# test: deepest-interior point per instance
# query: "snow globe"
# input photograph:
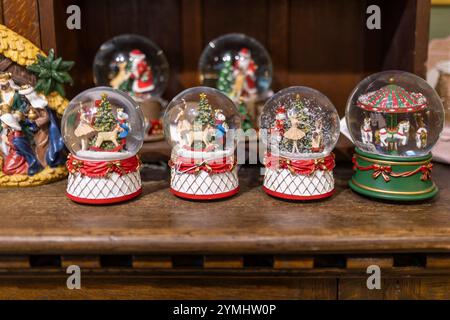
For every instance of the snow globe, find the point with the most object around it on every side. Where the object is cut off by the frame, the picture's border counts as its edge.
(201, 124)
(137, 66)
(394, 119)
(299, 127)
(103, 129)
(241, 67)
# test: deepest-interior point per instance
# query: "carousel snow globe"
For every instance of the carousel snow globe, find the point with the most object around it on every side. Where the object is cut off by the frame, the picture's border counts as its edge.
(299, 127)
(103, 129)
(394, 119)
(201, 123)
(137, 66)
(240, 67)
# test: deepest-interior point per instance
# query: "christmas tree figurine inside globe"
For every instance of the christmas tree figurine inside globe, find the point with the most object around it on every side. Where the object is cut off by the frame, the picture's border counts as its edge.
(201, 124)
(103, 129)
(237, 65)
(299, 127)
(394, 119)
(137, 66)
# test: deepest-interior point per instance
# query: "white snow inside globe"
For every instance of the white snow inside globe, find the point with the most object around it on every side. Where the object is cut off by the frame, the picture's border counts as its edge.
(237, 65)
(103, 124)
(201, 122)
(395, 113)
(299, 123)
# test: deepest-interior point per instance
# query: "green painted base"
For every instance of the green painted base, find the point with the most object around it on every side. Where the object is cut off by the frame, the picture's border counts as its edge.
(392, 178)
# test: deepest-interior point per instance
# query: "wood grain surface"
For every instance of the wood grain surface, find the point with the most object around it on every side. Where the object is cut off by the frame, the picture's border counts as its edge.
(43, 221)
(150, 287)
(22, 16)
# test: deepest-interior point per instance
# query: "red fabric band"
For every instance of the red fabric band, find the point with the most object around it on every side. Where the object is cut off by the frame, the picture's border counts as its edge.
(100, 169)
(187, 165)
(304, 167)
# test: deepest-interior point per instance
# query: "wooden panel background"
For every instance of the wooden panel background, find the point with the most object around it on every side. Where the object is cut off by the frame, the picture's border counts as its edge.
(323, 43)
(23, 17)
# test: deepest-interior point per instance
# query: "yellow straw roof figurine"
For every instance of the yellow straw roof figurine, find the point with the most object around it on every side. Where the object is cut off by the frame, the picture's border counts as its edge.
(31, 100)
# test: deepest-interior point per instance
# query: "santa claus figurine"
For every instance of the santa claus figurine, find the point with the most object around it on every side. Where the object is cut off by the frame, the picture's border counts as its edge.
(244, 74)
(141, 73)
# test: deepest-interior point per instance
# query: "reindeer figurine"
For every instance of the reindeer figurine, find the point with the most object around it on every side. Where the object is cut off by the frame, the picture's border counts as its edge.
(122, 75)
(421, 134)
(183, 128)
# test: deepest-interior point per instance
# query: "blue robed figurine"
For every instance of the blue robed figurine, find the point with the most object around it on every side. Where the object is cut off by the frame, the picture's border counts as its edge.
(42, 122)
(18, 155)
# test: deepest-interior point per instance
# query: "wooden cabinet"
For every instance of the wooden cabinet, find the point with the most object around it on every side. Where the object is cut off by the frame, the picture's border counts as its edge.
(251, 246)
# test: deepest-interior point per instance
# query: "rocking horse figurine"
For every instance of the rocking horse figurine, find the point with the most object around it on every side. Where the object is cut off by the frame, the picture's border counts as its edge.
(108, 136)
(198, 138)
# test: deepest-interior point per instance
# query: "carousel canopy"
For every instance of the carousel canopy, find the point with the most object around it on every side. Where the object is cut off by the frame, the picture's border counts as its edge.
(392, 99)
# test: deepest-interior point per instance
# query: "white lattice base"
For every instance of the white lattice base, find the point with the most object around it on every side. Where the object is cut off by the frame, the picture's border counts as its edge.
(283, 184)
(204, 186)
(111, 189)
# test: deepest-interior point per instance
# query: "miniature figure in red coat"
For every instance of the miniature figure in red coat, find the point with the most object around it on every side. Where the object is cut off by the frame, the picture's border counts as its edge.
(280, 122)
(141, 73)
(244, 71)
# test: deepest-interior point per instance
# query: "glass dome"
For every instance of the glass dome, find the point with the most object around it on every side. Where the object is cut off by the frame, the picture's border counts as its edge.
(394, 113)
(133, 64)
(103, 124)
(202, 121)
(299, 123)
(238, 65)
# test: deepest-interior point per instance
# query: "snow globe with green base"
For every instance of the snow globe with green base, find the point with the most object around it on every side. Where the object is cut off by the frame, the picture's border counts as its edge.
(202, 126)
(394, 119)
(103, 129)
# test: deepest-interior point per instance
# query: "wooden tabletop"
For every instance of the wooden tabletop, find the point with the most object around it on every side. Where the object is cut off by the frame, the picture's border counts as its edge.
(42, 220)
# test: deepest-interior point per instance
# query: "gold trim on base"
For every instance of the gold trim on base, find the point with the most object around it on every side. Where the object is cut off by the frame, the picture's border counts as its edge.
(393, 163)
(411, 193)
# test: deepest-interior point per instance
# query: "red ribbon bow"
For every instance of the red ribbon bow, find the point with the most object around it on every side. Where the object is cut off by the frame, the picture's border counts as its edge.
(304, 167)
(384, 171)
(426, 172)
